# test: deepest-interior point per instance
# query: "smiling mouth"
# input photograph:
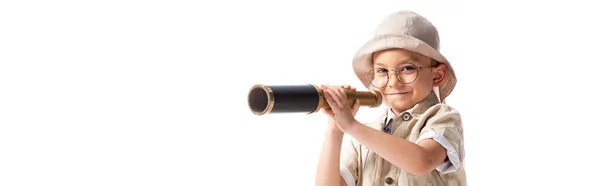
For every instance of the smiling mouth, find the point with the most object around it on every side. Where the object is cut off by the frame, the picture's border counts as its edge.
(397, 93)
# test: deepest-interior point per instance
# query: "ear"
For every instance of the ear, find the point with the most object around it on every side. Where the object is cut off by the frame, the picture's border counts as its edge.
(439, 74)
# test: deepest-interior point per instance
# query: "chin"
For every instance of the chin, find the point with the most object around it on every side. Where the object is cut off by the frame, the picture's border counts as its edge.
(402, 106)
(399, 104)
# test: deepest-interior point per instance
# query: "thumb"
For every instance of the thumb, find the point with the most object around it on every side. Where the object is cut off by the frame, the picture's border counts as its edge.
(356, 106)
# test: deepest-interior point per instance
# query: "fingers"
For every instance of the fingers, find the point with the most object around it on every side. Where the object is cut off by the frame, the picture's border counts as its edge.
(333, 98)
(340, 98)
(329, 98)
(336, 97)
(348, 87)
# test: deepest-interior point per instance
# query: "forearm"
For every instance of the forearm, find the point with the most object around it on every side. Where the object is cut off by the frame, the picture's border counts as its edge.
(328, 169)
(400, 152)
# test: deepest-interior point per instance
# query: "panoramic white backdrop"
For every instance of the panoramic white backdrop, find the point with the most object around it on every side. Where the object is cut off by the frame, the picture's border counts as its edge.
(154, 92)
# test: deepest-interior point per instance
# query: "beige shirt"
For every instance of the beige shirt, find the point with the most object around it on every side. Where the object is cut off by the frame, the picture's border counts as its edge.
(429, 119)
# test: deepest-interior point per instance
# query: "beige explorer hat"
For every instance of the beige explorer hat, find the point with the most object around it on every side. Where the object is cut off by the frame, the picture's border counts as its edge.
(410, 31)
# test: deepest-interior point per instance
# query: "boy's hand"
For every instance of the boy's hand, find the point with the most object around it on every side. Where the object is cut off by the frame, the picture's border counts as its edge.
(340, 113)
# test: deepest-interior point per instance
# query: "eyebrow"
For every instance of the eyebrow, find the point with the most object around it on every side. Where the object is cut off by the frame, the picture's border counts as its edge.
(411, 58)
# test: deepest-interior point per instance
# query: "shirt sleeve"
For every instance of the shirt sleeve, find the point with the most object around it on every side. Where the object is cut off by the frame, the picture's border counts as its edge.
(446, 128)
(349, 163)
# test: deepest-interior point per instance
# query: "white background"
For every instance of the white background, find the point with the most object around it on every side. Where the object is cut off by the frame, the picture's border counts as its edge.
(154, 92)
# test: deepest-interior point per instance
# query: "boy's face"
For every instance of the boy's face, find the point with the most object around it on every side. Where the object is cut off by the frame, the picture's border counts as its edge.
(410, 77)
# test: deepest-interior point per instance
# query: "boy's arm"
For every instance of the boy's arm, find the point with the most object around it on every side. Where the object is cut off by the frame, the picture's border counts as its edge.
(328, 169)
(420, 158)
(349, 167)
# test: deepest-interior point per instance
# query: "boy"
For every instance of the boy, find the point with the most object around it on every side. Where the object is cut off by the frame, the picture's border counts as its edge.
(418, 141)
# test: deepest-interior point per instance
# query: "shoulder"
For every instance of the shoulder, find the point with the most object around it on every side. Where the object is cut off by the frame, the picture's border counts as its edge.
(442, 116)
(442, 111)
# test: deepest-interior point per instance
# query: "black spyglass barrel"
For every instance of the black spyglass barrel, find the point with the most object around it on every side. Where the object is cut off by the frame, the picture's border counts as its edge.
(299, 98)
(284, 99)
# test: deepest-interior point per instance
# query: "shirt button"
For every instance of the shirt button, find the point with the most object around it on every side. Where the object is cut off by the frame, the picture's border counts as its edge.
(389, 180)
(406, 116)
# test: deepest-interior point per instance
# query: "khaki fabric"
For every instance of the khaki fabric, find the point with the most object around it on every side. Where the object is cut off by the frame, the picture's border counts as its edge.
(369, 169)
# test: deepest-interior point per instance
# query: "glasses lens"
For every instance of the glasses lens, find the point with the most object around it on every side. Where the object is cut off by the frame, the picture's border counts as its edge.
(407, 73)
(378, 77)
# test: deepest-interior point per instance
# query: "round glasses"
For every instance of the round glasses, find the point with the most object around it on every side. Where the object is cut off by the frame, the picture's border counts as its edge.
(405, 73)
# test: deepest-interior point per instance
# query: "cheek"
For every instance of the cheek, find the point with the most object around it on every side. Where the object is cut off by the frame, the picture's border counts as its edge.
(423, 85)
(382, 90)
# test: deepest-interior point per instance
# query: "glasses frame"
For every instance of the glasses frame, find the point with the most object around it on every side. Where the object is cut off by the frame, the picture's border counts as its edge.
(397, 74)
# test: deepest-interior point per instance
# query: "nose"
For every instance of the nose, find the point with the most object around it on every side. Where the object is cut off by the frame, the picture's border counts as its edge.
(392, 79)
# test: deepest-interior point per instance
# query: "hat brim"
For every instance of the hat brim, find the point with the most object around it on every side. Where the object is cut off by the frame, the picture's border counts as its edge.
(363, 63)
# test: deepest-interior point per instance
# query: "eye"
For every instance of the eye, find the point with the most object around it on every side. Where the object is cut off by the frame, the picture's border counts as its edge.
(408, 68)
(381, 71)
